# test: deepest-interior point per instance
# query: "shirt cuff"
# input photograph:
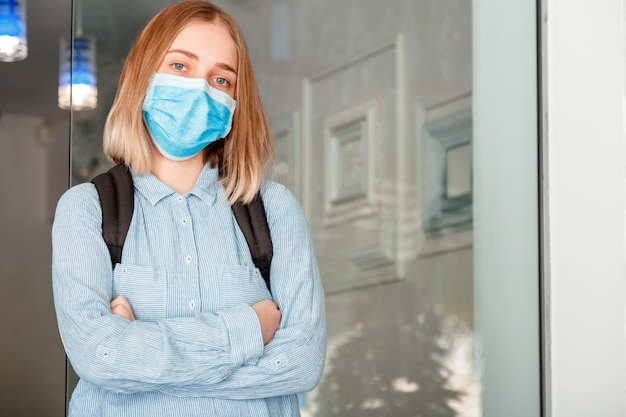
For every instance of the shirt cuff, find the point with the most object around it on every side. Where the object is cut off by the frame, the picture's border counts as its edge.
(244, 333)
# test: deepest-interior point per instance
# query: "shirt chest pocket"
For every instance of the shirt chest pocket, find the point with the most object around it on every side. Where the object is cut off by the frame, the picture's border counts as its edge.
(240, 284)
(144, 287)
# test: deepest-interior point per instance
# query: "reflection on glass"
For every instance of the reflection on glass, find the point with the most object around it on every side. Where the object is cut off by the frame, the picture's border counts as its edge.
(388, 199)
(77, 74)
(459, 170)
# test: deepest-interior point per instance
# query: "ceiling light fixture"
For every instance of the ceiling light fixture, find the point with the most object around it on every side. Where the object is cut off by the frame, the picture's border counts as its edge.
(78, 88)
(13, 44)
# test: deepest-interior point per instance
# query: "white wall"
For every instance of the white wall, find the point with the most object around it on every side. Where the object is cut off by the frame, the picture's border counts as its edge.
(584, 174)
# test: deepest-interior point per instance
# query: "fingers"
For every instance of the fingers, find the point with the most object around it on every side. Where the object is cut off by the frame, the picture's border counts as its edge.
(268, 304)
(269, 317)
(121, 307)
(122, 311)
(120, 300)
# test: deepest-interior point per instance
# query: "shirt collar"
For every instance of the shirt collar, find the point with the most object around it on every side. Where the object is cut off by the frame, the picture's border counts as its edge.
(154, 190)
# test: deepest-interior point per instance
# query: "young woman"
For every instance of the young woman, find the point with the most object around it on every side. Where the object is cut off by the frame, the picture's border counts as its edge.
(185, 325)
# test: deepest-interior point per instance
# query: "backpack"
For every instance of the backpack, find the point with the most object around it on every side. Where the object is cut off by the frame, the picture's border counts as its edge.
(116, 193)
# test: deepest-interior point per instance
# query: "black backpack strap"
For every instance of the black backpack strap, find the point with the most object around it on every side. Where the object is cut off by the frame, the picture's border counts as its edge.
(253, 223)
(117, 198)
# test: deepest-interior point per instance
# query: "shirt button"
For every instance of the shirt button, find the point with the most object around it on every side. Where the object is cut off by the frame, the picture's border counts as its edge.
(192, 304)
(184, 222)
(188, 259)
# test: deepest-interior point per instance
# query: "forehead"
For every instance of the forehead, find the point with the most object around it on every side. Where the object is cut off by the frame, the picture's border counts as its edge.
(207, 40)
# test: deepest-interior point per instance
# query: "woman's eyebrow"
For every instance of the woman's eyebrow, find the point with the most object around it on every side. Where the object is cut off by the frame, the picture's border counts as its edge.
(191, 55)
(225, 67)
(184, 52)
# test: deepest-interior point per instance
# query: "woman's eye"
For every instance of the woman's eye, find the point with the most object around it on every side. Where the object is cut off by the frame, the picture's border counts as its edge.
(179, 67)
(222, 82)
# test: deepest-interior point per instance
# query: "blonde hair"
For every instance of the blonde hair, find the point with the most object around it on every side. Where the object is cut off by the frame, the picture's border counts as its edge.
(241, 156)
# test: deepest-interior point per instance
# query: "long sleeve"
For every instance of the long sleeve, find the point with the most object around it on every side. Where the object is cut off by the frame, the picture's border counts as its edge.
(189, 277)
(293, 361)
(124, 356)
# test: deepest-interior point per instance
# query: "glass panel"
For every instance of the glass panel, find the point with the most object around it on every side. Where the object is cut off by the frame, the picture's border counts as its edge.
(34, 159)
(372, 106)
(506, 282)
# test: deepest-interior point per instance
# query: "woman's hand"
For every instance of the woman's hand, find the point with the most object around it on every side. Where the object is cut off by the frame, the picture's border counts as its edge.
(121, 307)
(269, 317)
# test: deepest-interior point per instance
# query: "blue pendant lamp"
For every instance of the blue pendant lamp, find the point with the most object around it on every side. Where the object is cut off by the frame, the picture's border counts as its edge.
(13, 45)
(78, 87)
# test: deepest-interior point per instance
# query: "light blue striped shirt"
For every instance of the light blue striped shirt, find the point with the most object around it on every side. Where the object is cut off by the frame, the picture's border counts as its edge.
(196, 347)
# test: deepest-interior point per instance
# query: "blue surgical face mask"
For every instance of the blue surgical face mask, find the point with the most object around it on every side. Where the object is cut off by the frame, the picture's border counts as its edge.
(185, 115)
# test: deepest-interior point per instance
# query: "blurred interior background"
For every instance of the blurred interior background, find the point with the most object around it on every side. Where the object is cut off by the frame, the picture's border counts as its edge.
(371, 104)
